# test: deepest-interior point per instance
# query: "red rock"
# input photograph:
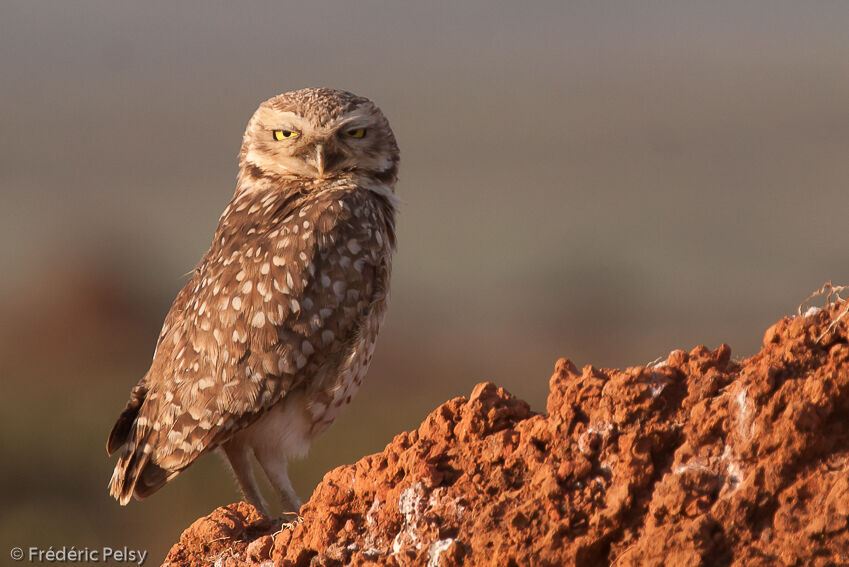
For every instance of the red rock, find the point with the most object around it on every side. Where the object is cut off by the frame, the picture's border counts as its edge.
(696, 460)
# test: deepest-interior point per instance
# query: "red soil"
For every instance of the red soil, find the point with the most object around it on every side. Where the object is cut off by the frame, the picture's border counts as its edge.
(695, 460)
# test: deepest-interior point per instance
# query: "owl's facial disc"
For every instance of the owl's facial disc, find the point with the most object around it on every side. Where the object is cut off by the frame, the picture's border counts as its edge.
(285, 143)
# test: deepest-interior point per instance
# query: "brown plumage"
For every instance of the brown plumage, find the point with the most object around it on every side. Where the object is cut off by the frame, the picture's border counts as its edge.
(275, 330)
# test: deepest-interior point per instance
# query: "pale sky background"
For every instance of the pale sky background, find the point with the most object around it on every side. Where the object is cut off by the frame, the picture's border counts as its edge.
(605, 181)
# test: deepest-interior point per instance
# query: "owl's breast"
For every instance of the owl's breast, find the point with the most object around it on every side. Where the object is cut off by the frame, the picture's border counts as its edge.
(337, 382)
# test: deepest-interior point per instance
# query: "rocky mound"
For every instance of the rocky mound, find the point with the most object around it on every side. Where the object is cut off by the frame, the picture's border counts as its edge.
(694, 460)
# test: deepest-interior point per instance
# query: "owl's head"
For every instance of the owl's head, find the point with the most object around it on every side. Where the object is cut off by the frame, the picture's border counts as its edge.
(319, 134)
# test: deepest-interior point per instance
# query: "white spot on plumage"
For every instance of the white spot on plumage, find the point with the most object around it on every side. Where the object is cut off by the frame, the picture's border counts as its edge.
(280, 287)
(258, 319)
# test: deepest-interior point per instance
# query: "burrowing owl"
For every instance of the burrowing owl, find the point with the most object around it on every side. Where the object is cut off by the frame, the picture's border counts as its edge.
(275, 329)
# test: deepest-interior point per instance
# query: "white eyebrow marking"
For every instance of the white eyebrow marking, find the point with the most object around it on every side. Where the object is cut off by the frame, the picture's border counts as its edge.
(271, 119)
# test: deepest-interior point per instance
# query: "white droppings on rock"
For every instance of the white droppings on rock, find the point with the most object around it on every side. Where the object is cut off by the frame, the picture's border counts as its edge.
(411, 505)
(436, 549)
(692, 465)
(744, 419)
(733, 470)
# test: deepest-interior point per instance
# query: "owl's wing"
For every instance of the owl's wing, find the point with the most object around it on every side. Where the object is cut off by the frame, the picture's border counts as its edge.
(259, 317)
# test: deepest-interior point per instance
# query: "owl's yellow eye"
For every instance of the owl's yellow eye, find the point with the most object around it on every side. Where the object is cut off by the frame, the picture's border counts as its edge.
(284, 134)
(356, 133)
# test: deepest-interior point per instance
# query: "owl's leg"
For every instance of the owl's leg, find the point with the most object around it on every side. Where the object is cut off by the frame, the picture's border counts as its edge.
(276, 468)
(238, 456)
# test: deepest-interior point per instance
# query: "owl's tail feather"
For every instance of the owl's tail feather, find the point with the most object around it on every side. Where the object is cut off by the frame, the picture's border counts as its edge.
(126, 473)
(151, 479)
(134, 474)
(123, 427)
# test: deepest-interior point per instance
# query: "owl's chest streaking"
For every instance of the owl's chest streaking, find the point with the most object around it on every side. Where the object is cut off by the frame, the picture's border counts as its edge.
(288, 299)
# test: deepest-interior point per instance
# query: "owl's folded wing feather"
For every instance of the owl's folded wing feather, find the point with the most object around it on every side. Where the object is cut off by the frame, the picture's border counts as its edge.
(276, 299)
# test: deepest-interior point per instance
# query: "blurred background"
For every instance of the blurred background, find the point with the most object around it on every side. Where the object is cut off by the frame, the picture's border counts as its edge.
(598, 181)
